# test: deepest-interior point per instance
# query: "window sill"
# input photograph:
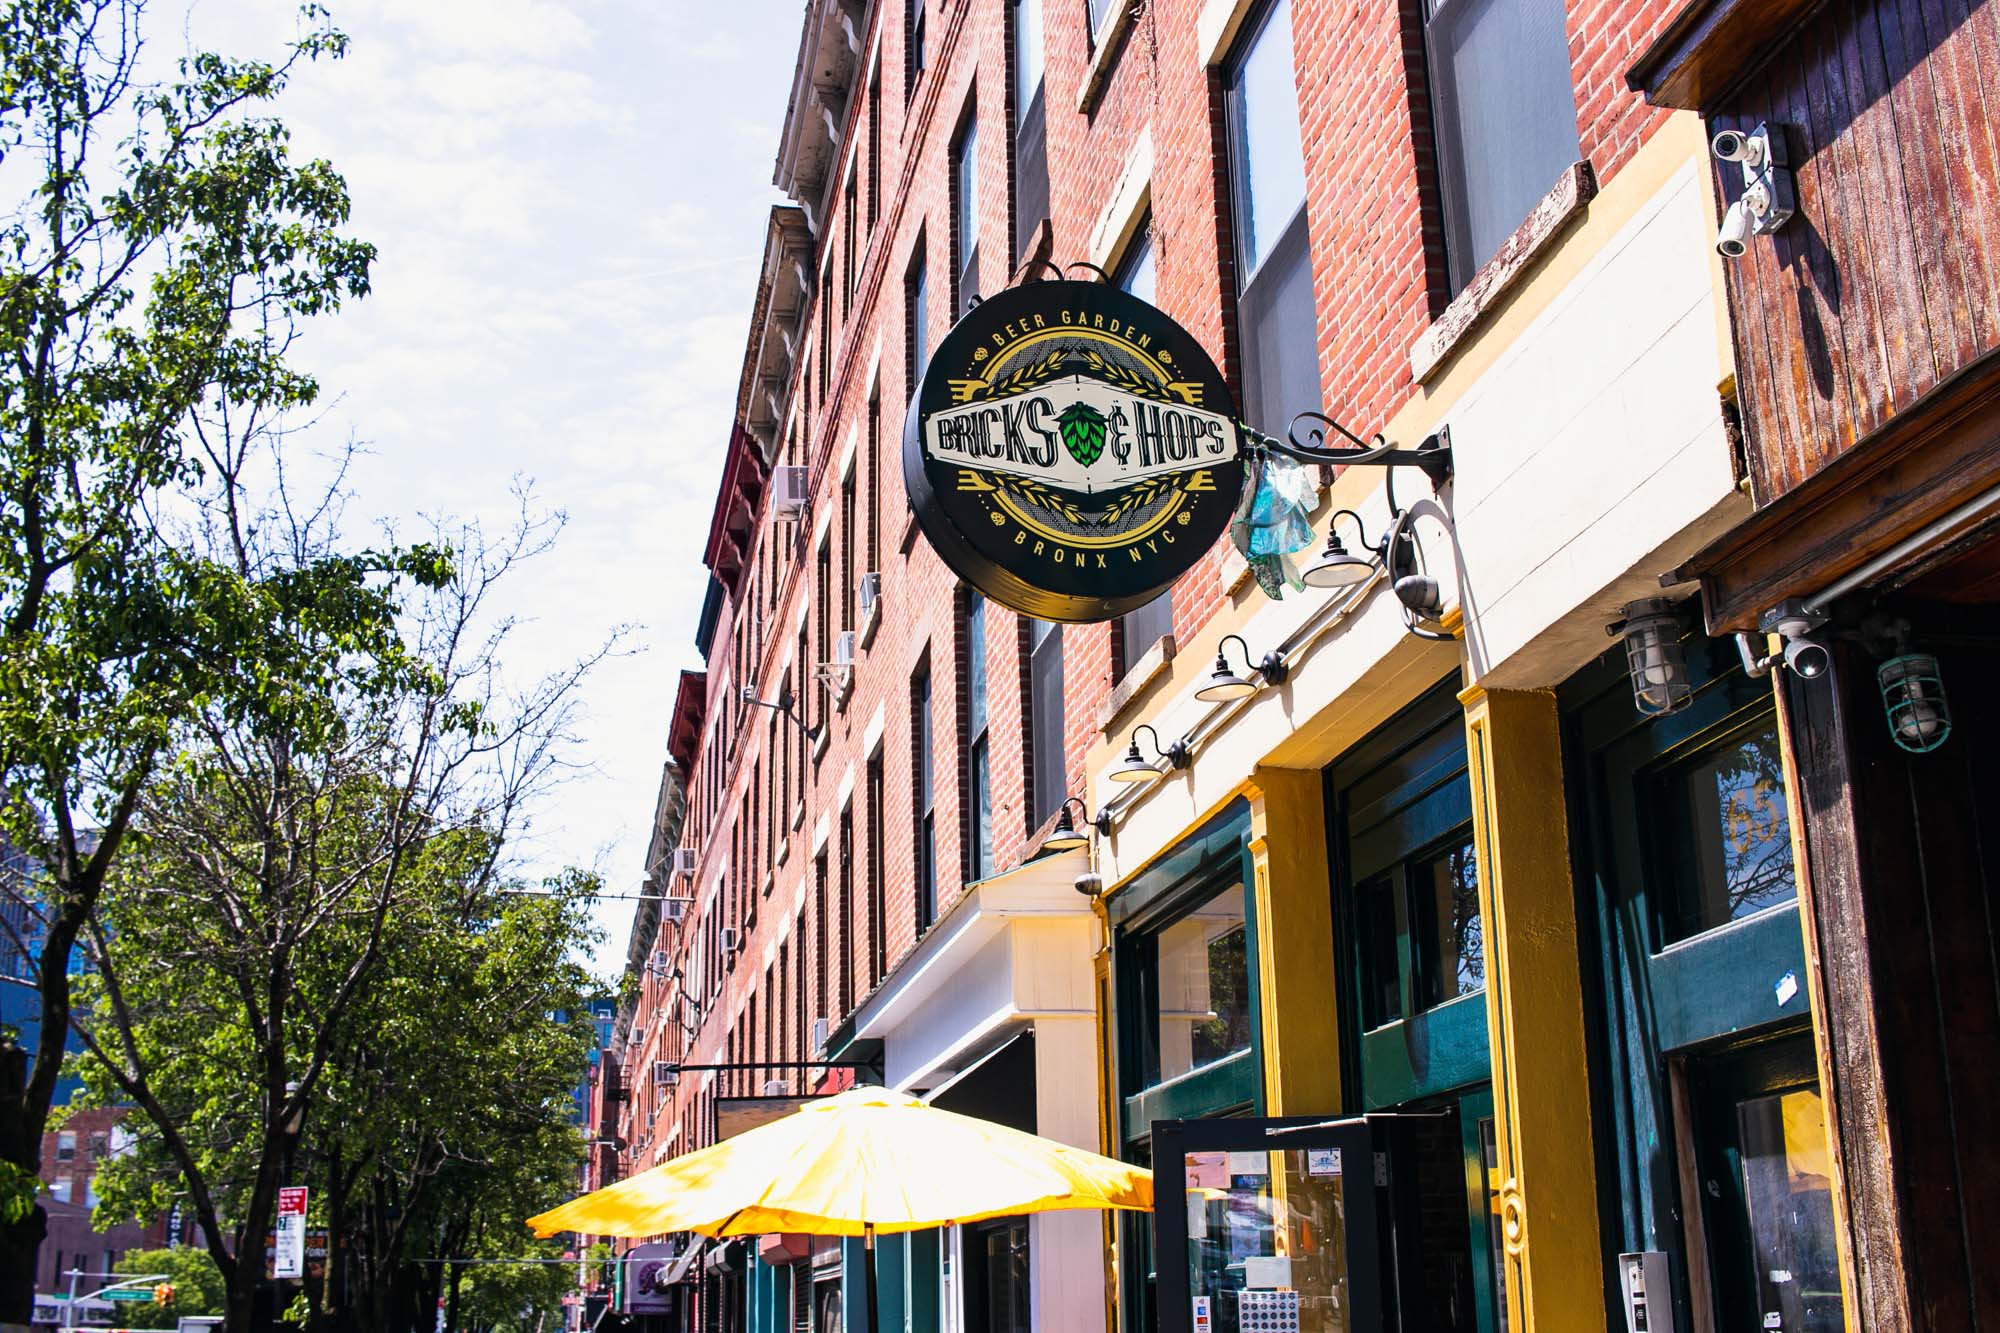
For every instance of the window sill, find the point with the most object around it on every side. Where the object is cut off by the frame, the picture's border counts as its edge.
(798, 816)
(1136, 681)
(819, 750)
(1106, 44)
(909, 537)
(784, 854)
(1489, 287)
(870, 622)
(771, 878)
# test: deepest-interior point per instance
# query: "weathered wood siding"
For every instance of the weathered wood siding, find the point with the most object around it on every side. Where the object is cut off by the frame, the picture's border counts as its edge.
(1888, 279)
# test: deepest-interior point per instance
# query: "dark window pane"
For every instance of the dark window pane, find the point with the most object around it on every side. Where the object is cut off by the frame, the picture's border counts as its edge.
(1135, 272)
(1027, 50)
(980, 783)
(975, 665)
(1269, 166)
(1204, 986)
(1280, 344)
(1378, 908)
(917, 320)
(1788, 1194)
(965, 203)
(1737, 837)
(1045, 703)
(1506, 117)
(1139, 630)
(1447, 889)
(1031, 171)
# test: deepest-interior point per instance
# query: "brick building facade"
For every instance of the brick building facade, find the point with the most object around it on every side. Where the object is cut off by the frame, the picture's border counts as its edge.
(1422, 217)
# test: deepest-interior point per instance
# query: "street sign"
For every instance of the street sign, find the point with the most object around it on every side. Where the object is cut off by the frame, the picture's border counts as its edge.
(290, 1260)
(124, 1294)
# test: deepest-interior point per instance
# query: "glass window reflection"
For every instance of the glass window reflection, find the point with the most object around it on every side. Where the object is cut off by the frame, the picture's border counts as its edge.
(1204, 985)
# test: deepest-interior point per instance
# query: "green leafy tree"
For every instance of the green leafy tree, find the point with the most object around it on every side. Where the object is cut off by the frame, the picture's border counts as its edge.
(156, 261)
(196, 1281)
(315, 884)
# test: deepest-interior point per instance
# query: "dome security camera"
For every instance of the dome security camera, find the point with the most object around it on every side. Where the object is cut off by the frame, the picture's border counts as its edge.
(1807, 659)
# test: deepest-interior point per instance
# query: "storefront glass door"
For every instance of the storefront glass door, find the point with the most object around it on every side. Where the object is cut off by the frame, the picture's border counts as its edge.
(1407, 910)
(1767, 1193)
(1273, 1227)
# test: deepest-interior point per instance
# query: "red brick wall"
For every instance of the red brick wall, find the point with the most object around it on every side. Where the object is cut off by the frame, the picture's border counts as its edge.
(1378, 281)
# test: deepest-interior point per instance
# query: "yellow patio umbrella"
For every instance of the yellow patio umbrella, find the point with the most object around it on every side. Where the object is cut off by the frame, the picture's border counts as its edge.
(865, 1161)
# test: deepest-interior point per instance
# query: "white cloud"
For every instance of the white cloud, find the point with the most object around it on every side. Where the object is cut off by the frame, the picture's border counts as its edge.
(569, 199)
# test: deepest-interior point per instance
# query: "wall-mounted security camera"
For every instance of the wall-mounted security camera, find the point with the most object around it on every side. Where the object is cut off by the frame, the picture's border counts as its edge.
(1090, 884)
(1734, 238)
(1803, 655)
(1768, 199)
(1737, 146)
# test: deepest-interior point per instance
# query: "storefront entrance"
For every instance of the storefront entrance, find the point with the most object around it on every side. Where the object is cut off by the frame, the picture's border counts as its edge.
(1718, 1140)
(1411, 980)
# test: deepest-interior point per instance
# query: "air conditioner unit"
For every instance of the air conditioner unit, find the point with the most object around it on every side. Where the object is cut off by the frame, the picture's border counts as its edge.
(674, 909)
(685, 860)
(666, 1074)
(843, 650)
(730, 936)
(821, 1027)
(775, 1087)
(658, 964)
(790, 493)
(867, 592)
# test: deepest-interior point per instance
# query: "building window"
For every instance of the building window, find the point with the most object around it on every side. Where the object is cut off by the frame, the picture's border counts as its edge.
(847, 536)
(846, 896)
(850, 224)
(922, 738)
(978, 755)
(1031, 149)
(66, 1146)
(878, 904)
(965, 216)
(1098, 11)
(1506, 118)
(822, 941)
(1135, 270)
(823, 613)
(874, 146)
(874, 479)
(1048, 762)
(916, 319)
(1276, 322)
(913, 45)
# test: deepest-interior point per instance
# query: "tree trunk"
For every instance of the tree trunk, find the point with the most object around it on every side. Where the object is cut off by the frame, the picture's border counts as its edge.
(20, 1148)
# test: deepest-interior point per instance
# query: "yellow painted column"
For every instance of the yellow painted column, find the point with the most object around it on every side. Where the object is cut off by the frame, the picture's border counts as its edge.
(1535, 1014)
(1294, 904)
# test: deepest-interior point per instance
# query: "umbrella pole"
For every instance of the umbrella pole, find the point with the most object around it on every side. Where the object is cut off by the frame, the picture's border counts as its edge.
(868, 1280)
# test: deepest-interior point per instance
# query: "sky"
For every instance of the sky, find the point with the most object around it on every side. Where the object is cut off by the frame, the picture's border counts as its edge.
(569, 200)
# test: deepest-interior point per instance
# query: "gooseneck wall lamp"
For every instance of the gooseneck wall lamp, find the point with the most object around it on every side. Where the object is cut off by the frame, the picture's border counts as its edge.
(1337, 567)
(1136, 767)
(1224, 684)
(1066, 836)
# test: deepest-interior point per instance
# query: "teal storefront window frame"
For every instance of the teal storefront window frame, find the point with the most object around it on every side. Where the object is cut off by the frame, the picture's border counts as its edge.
(1394, 801)
(1178, 881)
(1654, 999)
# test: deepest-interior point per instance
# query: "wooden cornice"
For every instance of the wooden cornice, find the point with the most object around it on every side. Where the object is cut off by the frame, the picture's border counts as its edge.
(1926, 461)
(1710, 47)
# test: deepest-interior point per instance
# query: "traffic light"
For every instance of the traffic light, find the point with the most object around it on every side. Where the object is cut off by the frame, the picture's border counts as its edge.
(163, 1294)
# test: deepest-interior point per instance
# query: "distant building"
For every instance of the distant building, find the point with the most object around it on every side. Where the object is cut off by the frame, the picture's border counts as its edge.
(71, 1156)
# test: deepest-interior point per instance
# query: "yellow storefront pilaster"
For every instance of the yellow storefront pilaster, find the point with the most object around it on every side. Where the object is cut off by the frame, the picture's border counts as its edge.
(1301, 1035)
(1534, 1014)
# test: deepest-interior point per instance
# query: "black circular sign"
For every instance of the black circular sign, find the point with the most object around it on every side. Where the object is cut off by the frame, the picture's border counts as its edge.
(1072, 451)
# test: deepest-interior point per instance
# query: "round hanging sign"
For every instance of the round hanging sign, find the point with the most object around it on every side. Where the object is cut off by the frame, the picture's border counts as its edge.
(1072, 451)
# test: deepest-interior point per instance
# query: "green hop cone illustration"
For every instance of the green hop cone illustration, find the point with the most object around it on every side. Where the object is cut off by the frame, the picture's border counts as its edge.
(1082, 432)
